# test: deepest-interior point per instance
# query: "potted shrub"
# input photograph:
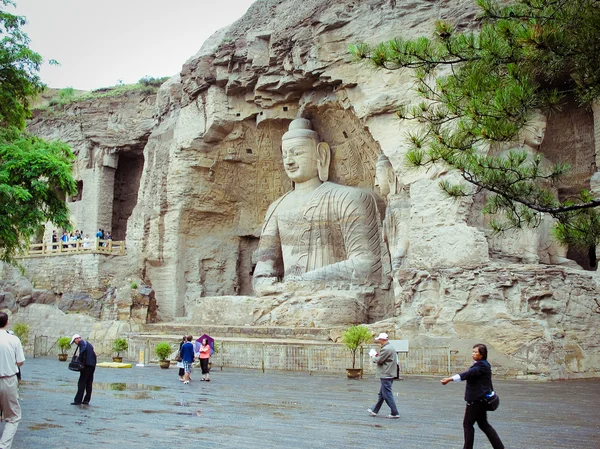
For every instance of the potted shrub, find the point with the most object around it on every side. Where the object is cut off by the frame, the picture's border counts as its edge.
(163, 351)
(63, 343)
(119, 345)
(354, 338)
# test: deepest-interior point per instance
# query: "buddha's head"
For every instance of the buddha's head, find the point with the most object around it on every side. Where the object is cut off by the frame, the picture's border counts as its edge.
(304, 156)
(532, 134)
(385, 177)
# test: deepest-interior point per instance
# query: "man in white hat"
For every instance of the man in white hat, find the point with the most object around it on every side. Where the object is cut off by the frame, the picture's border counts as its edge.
(86, 376)
(387, 361)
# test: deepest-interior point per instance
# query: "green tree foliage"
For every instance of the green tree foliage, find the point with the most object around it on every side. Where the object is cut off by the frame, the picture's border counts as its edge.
(19, 67)
(34, 174)
(354, 338)
(480, 87)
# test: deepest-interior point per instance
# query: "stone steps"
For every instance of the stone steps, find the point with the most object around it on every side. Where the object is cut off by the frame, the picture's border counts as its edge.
(232, 333)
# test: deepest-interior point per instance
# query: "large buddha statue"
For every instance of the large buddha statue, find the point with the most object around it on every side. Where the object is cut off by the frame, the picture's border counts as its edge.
(319, 231)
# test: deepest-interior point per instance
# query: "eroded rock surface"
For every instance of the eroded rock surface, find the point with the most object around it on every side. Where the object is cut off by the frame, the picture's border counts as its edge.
(210, 147)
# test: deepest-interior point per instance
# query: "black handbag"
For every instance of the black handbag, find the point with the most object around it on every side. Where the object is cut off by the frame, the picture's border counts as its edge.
(75, 364)
(492, 400)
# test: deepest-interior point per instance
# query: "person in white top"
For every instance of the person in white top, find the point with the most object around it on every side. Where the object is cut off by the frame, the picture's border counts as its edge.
(11, 358)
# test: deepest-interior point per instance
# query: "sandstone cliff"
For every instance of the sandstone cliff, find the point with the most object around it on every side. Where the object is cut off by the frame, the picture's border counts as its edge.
(210, 145)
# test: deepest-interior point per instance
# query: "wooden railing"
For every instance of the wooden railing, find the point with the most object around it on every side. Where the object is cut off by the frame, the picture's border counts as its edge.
(96, 246)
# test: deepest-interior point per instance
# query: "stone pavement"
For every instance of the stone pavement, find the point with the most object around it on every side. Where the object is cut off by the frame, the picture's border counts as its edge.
(149, 408)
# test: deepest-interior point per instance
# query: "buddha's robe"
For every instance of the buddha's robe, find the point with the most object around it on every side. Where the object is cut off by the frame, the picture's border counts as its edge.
(333, 236)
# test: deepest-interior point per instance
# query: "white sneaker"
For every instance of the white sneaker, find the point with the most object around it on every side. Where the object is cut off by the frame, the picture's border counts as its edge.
(393, 416)
(371, 412)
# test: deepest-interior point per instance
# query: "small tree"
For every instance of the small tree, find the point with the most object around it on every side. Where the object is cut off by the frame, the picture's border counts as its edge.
(21, 330)
(63, 343)
(120, 345)
(163, 350)
(354, 338)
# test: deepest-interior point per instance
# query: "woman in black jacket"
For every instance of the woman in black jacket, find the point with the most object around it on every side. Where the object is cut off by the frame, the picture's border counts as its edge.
(479, 383)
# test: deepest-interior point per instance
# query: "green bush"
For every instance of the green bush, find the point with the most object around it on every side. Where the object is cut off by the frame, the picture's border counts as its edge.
(163, 350)
(63, 343)
(134, 285)
(150, 81)
(21, 330)
(66, 94)
(120, 345)
(354, 338)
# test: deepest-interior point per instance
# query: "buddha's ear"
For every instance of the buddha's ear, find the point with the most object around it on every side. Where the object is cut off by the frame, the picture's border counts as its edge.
(324, 154)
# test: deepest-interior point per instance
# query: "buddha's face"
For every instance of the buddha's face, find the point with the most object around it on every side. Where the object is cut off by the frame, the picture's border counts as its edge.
(300, 159)
(533, 132)
(381, 179)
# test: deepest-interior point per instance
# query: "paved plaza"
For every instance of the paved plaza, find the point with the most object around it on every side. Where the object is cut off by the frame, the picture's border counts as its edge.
(149, 408)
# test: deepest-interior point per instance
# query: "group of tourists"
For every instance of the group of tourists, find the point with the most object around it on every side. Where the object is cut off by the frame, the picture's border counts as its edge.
(201, 349)
(478, 377)
(70, 239)
(479, 387)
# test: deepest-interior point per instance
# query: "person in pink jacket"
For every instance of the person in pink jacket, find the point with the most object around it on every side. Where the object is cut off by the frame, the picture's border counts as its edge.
(204, 355)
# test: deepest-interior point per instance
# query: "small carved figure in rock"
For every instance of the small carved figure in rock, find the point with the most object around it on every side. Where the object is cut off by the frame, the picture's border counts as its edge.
(396, 222)
(319, 230)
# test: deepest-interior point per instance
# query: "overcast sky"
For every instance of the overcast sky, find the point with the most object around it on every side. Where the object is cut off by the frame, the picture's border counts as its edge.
(99, 42)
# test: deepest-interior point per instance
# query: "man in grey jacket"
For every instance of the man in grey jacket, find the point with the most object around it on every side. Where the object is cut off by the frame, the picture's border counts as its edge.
(387, 361)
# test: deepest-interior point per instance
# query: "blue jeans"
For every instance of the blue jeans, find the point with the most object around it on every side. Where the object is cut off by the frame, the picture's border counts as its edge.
(385, 394)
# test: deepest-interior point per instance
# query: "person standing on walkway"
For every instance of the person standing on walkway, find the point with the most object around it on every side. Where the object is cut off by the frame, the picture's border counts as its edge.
(479, 383)
(187, 357)
(387, 361)
(179, 362)
(204, 355)
(87, 356)
(11, 358)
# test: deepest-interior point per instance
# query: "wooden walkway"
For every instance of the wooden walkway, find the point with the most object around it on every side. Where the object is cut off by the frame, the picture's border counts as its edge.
(96, 246)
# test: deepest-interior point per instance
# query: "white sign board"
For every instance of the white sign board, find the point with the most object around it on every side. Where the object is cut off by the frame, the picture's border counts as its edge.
(399, 345)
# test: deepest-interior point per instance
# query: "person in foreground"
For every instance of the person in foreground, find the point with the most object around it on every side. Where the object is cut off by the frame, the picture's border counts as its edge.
(387, 361)
(87, 356)
(11, 358)
(479, 383)
(187, 358)
(204, 355)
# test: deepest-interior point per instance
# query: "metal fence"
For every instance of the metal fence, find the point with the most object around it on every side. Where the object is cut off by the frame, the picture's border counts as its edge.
(325, 358)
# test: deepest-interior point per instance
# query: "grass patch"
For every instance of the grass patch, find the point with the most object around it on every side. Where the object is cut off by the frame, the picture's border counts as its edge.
(146, 86)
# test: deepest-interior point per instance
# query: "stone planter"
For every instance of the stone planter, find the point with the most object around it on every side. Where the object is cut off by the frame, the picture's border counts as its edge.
(164, 364)
(63, 357)
(118, 359)
(354, 373)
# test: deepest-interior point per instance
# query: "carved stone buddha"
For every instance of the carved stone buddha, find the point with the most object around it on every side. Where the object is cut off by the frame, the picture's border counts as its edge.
(319, 231)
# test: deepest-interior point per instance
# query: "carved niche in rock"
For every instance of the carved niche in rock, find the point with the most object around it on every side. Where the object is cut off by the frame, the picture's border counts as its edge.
(531, 245)
(319, 230)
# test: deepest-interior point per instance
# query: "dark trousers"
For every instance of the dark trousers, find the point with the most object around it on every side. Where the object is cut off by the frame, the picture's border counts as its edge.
(476, 413)
(204, 365)
(385, 394)
(86, 378)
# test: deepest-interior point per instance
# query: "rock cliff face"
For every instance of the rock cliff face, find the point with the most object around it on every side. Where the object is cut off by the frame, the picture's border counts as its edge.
(210, 147)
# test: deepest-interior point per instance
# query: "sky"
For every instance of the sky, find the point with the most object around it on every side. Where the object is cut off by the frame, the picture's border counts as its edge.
(100, 43)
